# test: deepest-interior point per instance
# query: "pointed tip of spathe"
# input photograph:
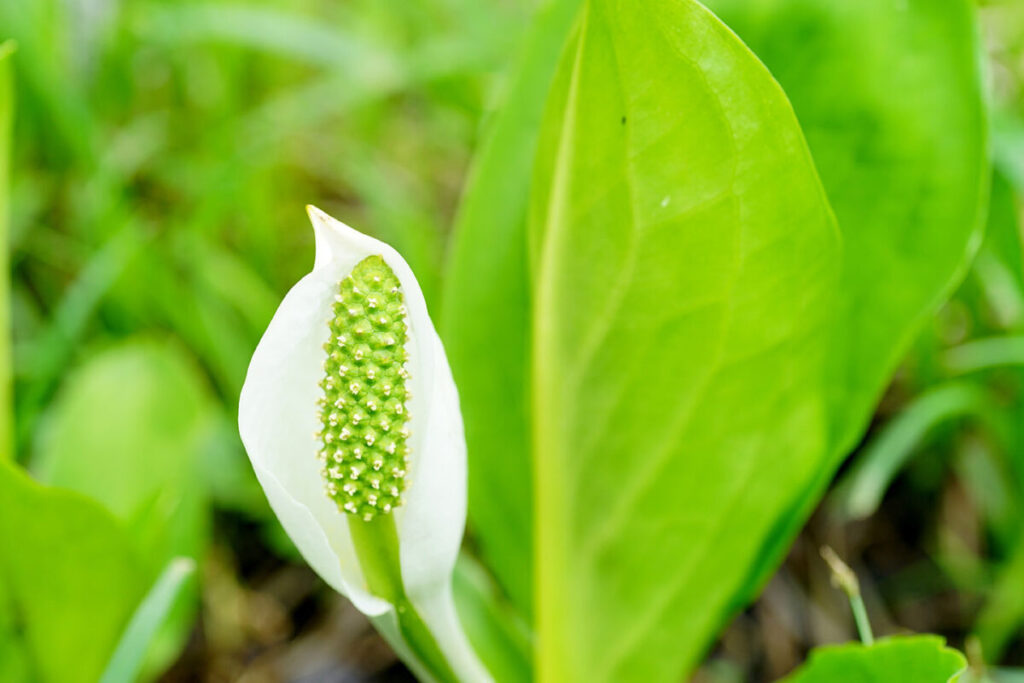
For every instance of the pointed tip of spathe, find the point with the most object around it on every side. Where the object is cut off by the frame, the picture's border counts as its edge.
(315, 214)
(335, 239)
(321, 219)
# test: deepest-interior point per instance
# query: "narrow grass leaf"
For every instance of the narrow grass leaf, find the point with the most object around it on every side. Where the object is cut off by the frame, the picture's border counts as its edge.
(126, 662)
(860, 491)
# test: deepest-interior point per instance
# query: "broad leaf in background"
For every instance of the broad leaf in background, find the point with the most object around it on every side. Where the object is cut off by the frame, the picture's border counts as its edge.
(71, 574)
(486, 314)
(917, 659)
(138, 455)
(889, 95)
(686, 259)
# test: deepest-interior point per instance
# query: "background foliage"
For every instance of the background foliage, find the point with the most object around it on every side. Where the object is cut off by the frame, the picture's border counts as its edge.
(161, 157)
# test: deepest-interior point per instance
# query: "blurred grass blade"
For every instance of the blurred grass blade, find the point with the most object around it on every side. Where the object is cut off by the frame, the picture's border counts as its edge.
(284, 33)
(155, 402)
(1000, 263)
(1008, 145)
(498, 635)
(861, 490)
(1003, 613)
(6, 374)
(47, 357)
(127, 659)
(984, 354)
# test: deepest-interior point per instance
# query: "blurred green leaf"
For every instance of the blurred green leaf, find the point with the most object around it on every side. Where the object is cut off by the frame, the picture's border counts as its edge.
(1008, 131)
(266, 28)
(72, 576)
(1003, 612)
(128, 431)
(984, 354)
(686, 261)
(6, 371)
(889, 95)
(988, 478)
(1000, 263)
(485, 322)
(859, 493)
(907, 176)
(50, 82)
(182, 292)
(48, 357)
(917, 659)
(500, 638)
(126, 662)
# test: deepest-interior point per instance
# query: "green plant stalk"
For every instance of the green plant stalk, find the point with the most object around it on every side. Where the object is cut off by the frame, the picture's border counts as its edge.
(6, 373)
(376, 546)
(860, 617)
(845, 580)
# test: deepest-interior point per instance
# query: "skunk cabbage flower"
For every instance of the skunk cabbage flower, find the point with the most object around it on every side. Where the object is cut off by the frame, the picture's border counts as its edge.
(351, 419)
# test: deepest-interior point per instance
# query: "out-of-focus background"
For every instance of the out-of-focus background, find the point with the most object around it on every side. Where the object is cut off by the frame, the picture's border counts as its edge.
(163, 153)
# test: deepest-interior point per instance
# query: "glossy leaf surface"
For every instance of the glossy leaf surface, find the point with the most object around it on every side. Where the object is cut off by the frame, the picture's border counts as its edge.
(685, 259)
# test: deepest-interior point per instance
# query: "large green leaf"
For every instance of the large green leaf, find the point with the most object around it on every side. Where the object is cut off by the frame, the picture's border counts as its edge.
(685, 259)
(889, 95)
(486, 315)
(917, 659)
(71, 575)
(128, 431)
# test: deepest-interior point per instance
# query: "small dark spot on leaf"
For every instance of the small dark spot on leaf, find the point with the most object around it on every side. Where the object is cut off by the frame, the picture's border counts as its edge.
(623, 120)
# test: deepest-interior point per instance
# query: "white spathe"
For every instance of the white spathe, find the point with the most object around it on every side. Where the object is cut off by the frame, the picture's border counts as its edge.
(278, 419)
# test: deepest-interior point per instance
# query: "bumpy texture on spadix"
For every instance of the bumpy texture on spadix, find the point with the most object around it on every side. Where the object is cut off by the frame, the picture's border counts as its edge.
(363, 411)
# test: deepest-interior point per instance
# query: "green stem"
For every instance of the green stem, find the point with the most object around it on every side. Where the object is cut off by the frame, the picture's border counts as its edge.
(844, 579)
(376, 545)
(860, 617)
